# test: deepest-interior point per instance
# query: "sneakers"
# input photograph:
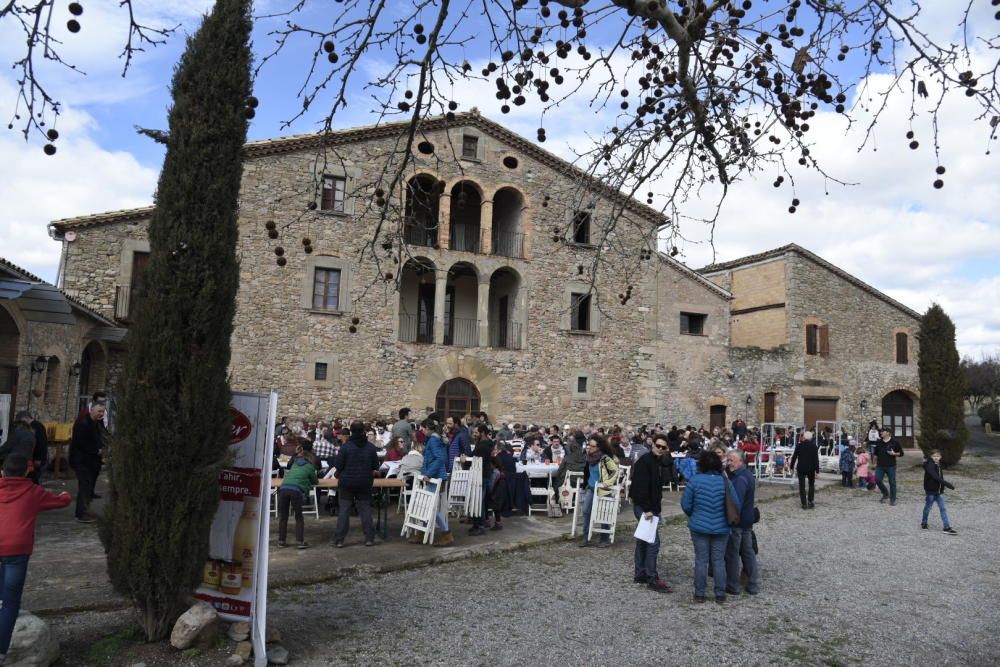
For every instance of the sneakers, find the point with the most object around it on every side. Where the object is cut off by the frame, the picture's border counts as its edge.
(338, 545)
(477, 531)
(892, 503)
(720, 599)
(86, 518)
(750, 592)
(659, 586)
(497, 526)
(603, 545)
(812, 505)
(640, 579)
(369, 543)
(303, 545)
(282, 543)
(699, 598)
(924, 526)
(950, 531)
(804, 506)
(883, 499)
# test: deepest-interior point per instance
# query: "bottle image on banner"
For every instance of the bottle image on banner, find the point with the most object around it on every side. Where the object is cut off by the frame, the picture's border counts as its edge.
(245, 538)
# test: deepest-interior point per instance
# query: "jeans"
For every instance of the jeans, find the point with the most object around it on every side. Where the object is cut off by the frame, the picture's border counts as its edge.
(441, 518)
(929, 502)
(361, 498)
(709, 546)
(739, 552)
(294, 499)
(880, 473)
(803, 476)
(646, 553)
(13, 571)
(86, 479)
(588, 506)
(847, 479)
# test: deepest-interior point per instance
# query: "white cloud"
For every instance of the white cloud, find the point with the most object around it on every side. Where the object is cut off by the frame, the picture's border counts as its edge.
(81, 178)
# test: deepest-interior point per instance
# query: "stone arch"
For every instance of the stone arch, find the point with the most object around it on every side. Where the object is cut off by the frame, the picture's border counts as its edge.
(93, 367)
(506, 308)
(914, 393)
(457, 364)
(465, 216)
(415, 300)
(422, 209)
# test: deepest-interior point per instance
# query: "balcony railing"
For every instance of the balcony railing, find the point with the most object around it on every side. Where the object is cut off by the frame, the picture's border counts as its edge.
(508, 244)
(412, 330)
(417, 234)
(465, 238)
(505, 335)
(462, 333)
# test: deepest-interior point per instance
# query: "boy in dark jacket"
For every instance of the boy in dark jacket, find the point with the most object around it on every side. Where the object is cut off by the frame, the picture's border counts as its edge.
(934, 486)
(649, 475)
(357, 466)
(21, 500)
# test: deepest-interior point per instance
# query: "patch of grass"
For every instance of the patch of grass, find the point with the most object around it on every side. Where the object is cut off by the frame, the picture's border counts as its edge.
(193, 652)
(104, 650)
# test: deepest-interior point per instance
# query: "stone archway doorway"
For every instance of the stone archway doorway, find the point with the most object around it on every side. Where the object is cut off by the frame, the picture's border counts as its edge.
(456, 398)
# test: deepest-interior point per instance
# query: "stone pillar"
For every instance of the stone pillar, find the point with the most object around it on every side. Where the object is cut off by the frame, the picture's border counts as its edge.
(440, 284)
(444, 221)
(486, 227)
(483, 311)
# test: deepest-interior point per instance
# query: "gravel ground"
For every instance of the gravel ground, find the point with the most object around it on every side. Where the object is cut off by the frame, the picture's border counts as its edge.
(851, 582)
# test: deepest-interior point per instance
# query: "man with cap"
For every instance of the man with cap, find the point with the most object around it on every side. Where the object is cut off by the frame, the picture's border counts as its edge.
(887, 449)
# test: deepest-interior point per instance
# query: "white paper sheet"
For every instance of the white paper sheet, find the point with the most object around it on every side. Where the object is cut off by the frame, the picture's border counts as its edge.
(646, 530)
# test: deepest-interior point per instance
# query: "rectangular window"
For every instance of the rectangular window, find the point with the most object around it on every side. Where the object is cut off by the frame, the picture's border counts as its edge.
(319, 372)
(902, 351)
(581, 384)
(693, 324)
(812, 339)
(580, 312)
(581, 227)
(326, 289)
(824, 340)
(470, 147)
(334, 188)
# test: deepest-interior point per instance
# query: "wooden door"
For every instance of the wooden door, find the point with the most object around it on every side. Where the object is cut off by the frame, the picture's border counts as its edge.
(717, 417)
(819, 409)
(770, 405)
(456, 398)
(897, 414)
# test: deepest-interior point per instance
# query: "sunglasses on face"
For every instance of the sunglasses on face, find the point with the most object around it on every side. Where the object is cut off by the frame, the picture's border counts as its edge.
(660, 447)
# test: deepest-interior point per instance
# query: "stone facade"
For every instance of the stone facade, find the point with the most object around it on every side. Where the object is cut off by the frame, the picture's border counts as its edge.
(516, 343)
(73, 340)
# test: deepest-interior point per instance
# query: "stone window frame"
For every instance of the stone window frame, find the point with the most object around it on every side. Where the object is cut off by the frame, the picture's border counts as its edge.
(457, 138)
(332, 362)
(314, 262)
(595, 312)
(337, 169)
(895, 345)
(689, 312)
(570, 236)
(129, 248)
(575, 375)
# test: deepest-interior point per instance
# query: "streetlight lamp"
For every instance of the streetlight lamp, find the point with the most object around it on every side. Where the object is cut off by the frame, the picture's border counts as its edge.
(74, 373)
(38, 366)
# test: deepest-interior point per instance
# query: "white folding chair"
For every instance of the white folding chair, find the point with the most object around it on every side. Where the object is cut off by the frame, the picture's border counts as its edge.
(543, 492)
(312, 506)
(569, 501)
(422, 509)
(577, 490)
(604, 514)
(405, 491)
(625, 481)
(458, 490)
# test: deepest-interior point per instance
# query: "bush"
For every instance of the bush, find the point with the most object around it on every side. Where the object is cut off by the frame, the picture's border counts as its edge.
(990, 414)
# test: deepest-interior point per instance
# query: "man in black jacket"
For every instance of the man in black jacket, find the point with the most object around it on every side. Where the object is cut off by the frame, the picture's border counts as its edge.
(357, 466)
(85, 458)
(41, 455)
(807, 456)
(934, 486)
(649, 474)
(887, 450)
(21, 439)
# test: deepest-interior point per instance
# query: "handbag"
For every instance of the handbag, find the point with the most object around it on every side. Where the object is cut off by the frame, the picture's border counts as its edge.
(756, 515)
(732, 512)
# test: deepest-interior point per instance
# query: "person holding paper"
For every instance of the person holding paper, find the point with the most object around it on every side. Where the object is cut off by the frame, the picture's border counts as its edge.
(649, 474)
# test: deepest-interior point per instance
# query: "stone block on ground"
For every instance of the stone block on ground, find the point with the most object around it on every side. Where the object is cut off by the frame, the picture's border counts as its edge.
(239, 631)
(33, 644)
(198, 625)
(277, 654)
(244, 649)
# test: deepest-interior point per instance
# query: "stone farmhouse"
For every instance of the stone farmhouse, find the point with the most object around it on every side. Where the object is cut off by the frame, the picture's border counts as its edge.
(493, 310)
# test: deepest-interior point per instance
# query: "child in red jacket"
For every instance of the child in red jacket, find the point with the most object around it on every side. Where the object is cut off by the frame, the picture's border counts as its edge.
(20, 502)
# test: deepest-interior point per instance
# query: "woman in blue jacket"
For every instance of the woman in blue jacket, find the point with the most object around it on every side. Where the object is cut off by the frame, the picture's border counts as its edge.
(704, 501)
(435, 467)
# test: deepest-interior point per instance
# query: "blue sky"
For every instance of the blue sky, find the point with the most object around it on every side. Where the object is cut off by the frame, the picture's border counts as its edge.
(892, 229)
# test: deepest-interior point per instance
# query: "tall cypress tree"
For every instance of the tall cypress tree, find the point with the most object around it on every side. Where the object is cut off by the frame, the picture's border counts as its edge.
(172, 429)
(942, 388)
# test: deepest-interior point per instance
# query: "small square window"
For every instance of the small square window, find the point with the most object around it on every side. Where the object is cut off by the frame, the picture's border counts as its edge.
(333, 196)
(319, 372)
(581, 227)
(693, 324)
(579, 312)
(326, 289)
(581, 384)
(470, 147)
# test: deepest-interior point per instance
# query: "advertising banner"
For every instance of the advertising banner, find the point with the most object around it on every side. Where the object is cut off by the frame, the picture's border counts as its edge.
(235, 576)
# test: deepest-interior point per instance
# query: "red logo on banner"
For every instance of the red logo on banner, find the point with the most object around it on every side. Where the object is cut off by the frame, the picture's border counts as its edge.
(241, 427)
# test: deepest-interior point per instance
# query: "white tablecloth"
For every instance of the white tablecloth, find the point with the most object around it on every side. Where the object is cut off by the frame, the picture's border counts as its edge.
(537, 469)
